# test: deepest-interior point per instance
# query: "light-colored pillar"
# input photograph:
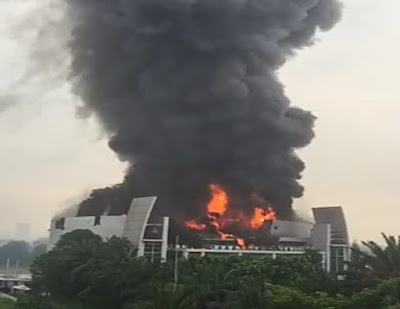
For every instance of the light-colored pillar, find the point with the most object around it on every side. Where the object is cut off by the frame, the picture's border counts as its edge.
(164, 244)
(141, 249)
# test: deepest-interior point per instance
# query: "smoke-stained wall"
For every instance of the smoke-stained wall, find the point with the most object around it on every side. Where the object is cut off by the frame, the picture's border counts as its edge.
(188, 92)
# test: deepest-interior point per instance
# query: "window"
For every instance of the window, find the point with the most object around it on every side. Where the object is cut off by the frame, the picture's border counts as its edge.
(338, 256)
(97, 220)
(152, 250)
(60, 224)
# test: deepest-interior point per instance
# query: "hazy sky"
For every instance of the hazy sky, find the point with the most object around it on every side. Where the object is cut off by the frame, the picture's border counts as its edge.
(349, 80)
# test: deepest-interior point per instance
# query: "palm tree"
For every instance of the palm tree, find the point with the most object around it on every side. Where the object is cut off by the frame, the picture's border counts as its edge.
(382, 262)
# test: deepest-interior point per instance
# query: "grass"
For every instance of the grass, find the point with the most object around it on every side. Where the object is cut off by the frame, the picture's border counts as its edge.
(6, 304)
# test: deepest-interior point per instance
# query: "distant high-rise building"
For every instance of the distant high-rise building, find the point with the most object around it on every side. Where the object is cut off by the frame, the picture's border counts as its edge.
(22, 231)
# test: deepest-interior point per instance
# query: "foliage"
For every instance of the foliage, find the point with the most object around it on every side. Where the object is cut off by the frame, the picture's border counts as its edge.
(285, 298)
(371, 264)
(58, 271)
(20, 252)
(15, 251)
(166, 296)
(85, 272)
(383, 262)
(38, 250)
(83, 267)
(385, 295)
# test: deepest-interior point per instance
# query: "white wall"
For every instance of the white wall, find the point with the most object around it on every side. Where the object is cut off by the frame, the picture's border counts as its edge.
(295, 229)
(109, 226)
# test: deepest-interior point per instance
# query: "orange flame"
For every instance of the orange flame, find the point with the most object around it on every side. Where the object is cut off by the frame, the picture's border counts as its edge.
(194, 225)
(224, 236)
(219, 200)
(261, 216)
(240, 242)
(215, 224)
(219, 219)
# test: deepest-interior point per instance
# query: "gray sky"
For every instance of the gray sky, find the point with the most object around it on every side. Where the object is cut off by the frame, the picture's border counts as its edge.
(48, 158)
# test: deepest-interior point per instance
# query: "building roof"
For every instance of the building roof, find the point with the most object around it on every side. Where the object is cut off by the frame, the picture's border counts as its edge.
(335, 217)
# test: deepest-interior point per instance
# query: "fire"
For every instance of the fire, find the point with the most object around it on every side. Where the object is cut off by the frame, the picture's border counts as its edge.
(261, 216)
(225, 236)
(215, 224)
(195, 226)
(219, 200)
(220, 217)
(240, 242)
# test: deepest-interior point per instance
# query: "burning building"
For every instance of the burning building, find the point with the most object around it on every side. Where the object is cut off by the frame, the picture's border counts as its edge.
(189, 95)
(261, 232)
(221, 232)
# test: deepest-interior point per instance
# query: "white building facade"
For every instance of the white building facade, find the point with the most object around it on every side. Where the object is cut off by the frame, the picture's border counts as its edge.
(146, 237)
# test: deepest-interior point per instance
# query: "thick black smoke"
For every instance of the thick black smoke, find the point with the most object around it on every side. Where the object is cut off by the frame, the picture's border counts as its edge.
(188, 91)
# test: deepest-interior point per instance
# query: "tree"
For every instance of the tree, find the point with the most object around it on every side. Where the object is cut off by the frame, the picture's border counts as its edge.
(250, 292)
(76, 239)
(379, 262)
(384, 295)
(288, 298)
(15, 252)
(166, 296)
(239, 282)
(59, 271)
(116, 276)
(83, 271)
(105, 274)
(38, 250)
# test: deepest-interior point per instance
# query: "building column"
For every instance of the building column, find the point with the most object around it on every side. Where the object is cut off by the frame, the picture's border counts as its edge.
(140, 249)
(164, 243)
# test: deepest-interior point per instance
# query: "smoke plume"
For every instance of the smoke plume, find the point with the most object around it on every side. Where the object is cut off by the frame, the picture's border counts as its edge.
(188, 92)
(35, 32)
